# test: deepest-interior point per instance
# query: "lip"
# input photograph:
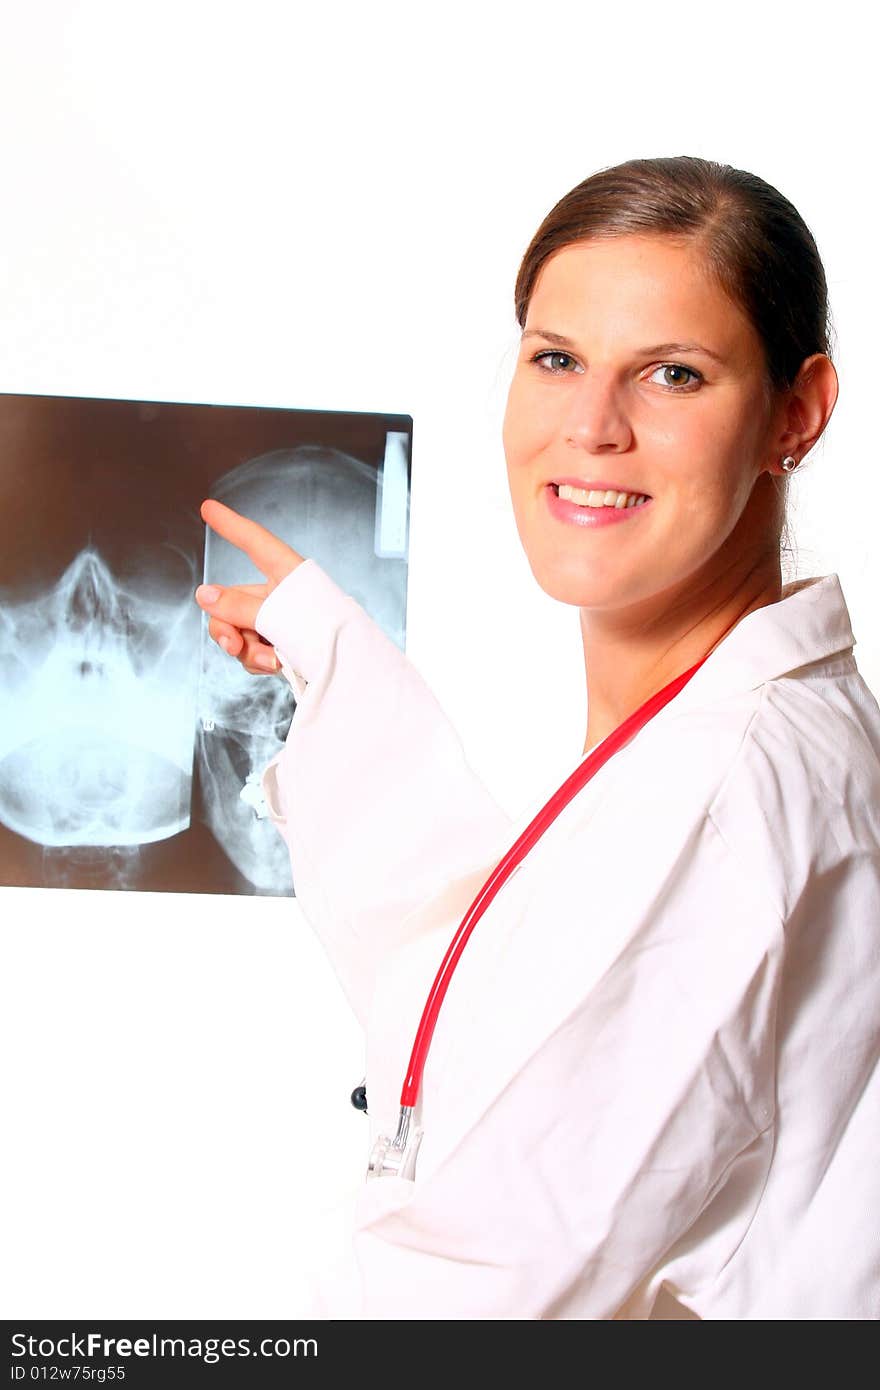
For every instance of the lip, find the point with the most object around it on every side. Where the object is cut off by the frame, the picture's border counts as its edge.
(576, 515)
(596, 486)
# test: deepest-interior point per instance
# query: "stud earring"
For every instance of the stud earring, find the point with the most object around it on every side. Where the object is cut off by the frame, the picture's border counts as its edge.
(789, 463)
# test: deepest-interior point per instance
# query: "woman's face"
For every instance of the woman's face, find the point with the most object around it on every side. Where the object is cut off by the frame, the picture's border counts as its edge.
(637, 374)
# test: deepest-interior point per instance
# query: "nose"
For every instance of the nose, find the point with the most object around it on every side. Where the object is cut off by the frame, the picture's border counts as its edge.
(595, 419)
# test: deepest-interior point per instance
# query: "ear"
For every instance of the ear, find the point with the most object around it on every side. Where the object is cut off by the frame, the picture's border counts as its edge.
(805, 410)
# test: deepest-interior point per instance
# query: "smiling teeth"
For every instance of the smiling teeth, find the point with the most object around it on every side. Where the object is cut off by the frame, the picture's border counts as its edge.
(590, 498)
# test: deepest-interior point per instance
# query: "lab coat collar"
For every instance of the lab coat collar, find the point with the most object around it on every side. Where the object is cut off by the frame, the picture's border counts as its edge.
(809, 624)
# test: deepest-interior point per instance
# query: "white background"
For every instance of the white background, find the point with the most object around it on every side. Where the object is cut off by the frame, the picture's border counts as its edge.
(324, 207)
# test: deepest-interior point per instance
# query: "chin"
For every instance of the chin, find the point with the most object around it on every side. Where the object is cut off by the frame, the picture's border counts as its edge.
(577, 585)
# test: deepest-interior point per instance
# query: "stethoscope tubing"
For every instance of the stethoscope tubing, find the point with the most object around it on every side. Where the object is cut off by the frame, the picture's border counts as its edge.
(505, 867)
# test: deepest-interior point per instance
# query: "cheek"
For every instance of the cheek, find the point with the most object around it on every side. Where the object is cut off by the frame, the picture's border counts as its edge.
(524, 430)
(700, 456)
(510, 428)
(713, 499)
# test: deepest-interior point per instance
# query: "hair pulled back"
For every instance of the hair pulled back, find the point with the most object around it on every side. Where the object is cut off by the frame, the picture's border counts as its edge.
(754, 243)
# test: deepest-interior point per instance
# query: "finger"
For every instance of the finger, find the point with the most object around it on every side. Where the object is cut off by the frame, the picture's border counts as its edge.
(207, 594)
(257, 656)
(271, 555)
(230, 605)
(226, 636)
(263, 589)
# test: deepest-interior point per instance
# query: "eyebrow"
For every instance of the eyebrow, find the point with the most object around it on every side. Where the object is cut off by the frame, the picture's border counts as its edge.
(646, 351)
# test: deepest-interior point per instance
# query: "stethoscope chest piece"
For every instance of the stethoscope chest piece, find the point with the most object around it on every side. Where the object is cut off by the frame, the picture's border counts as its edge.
(396, 1158)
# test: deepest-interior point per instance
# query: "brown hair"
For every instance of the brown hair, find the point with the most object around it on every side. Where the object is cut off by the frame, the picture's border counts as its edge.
(754, 241)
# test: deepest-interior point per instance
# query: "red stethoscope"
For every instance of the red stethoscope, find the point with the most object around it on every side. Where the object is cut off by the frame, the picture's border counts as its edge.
(397, 1157)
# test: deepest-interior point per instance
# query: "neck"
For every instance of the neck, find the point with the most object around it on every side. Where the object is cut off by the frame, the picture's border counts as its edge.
(630, 654)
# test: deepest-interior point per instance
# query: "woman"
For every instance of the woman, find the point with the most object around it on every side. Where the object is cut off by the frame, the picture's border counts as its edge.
(652, 1089)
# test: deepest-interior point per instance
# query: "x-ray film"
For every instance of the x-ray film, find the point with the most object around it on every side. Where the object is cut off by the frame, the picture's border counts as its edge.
(131, 746)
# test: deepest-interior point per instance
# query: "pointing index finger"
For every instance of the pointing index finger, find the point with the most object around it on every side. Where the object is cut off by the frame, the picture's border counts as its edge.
(272, 556)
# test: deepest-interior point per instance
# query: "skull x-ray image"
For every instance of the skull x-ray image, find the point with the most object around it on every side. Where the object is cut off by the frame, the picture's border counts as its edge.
(242, 722)
(131, 747)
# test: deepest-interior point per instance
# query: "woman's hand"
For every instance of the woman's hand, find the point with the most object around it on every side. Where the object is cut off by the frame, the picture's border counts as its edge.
(233, 609)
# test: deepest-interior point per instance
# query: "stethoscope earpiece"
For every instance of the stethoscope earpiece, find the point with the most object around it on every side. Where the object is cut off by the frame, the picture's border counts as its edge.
(359, 1097)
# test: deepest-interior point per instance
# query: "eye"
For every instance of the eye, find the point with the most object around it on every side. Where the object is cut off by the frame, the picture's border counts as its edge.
(676, 367)
(556, 371)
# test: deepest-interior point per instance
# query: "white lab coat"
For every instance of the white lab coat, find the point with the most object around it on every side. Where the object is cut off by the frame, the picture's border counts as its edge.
(655, 1074)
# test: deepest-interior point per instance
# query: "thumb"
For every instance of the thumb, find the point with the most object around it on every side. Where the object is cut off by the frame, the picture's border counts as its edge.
(235, 605)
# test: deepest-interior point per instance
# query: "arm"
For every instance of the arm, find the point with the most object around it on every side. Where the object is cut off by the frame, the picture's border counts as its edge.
(372, 791)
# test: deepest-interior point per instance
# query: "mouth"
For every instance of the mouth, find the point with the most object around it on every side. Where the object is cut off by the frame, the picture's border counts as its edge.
(598, 494)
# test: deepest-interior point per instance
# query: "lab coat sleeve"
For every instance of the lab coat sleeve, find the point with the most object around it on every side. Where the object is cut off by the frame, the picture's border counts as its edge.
(372, 791)
(652, 1099)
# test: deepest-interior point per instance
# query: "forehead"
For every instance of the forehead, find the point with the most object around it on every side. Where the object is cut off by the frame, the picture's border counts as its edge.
(645, 288)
